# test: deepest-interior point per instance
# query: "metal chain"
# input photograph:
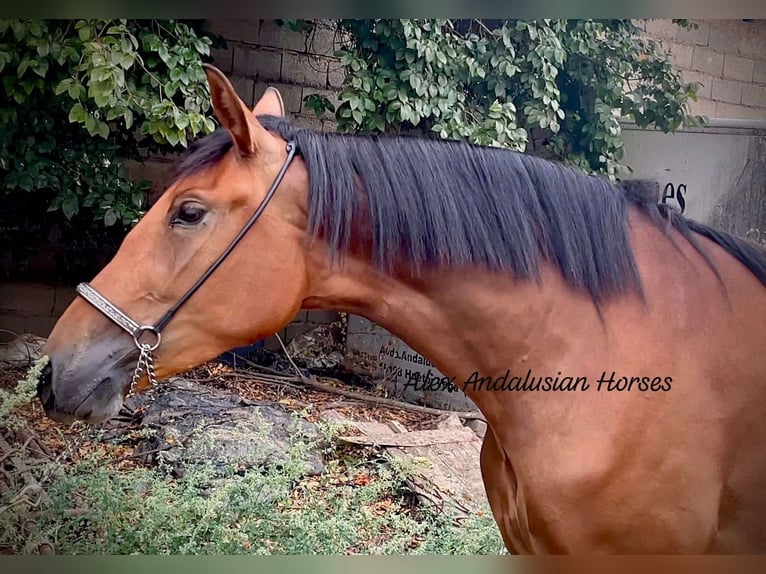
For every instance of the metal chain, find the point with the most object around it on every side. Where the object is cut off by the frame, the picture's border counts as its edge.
(145, 364)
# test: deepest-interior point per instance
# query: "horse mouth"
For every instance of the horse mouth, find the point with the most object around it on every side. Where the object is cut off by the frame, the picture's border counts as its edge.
(102, 402)
(96, 410)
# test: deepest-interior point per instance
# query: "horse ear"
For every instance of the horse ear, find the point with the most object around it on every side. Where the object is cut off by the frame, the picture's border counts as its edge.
(270, 104)
(249, 135)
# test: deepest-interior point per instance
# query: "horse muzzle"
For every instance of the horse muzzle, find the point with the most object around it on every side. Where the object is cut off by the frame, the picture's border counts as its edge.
(85, 388)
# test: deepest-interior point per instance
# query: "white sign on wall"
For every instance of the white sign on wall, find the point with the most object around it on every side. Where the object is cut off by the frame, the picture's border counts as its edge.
(714, 175)
(406, 373)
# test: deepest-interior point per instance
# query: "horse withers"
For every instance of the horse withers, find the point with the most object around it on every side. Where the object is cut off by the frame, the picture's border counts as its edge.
(615, 348)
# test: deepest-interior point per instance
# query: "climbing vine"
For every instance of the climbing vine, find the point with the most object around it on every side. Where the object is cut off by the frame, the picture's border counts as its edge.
(551, 87)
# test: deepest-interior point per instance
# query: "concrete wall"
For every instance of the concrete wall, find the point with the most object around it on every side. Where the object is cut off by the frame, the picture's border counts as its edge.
(728, 57)
(713, 174)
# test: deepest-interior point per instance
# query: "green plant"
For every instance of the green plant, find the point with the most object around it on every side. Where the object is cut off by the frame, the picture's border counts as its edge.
(549, 87)
(77, 97)
(22, 394)
(318, 104)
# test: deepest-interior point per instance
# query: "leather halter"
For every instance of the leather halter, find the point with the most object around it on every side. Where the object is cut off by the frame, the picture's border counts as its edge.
(133, 328)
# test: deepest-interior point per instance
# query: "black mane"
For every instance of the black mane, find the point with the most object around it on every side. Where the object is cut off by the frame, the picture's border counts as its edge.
(452, 203)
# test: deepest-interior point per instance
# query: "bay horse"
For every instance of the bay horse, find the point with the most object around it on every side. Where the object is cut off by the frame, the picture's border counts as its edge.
(615, 347)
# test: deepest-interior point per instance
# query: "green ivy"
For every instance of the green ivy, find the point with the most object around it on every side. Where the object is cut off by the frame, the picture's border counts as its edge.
(78, 97)
(550, 87)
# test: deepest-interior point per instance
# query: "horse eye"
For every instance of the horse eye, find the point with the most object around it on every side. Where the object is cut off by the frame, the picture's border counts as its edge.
(189, 214)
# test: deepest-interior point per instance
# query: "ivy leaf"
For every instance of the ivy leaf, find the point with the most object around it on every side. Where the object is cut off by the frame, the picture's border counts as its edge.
(70, 206)
(22, 67)
(110, 217)
(77, 114)
(90, 124)
(102, 129)
(455, 79)
(41, 68)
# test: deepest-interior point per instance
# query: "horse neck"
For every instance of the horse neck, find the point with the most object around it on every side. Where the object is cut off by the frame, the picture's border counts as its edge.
(464, 321)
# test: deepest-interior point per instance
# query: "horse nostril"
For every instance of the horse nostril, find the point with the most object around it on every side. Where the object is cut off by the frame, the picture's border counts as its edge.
(45, 388)
(45, 378)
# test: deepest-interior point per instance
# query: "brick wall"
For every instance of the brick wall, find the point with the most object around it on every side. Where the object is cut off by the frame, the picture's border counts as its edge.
(728, 57)
(31, 307)
(261, 53)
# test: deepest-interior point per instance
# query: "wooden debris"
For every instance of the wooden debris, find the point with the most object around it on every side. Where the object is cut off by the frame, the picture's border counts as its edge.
(31, 486)
(380, 401)
(452, 475)
(387, 437)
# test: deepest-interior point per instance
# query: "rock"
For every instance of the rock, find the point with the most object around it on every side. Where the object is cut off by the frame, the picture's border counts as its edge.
(316, 349)
(22, 350)
(450, 422)
(196, 424)
(477, 426)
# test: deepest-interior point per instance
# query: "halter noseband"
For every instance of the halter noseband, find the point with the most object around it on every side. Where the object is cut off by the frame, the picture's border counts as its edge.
(137, 331)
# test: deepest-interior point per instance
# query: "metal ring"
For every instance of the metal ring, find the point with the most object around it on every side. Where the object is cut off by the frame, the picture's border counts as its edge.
(140, 331)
